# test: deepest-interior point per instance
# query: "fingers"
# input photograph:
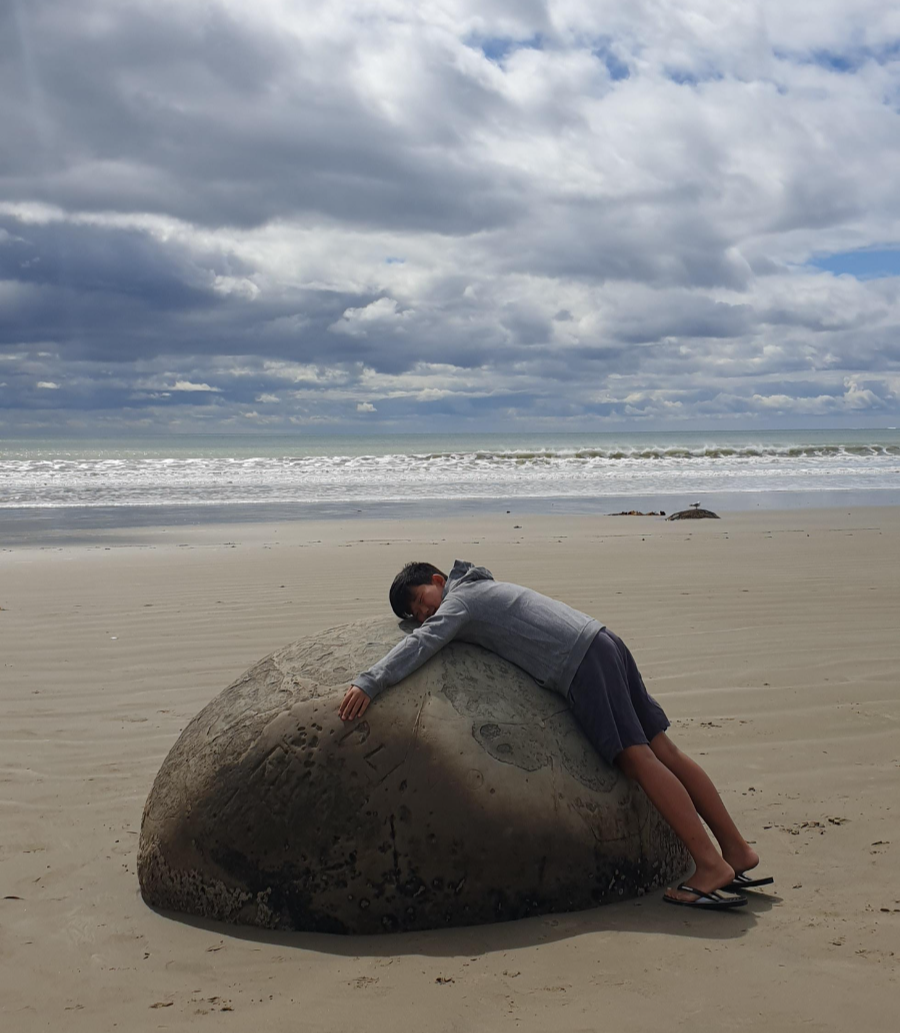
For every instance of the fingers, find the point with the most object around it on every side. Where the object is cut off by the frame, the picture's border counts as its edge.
(346, 703)
(353, 704)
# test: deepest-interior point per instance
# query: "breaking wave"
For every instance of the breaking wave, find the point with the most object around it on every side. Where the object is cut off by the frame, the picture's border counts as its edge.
(48, 477)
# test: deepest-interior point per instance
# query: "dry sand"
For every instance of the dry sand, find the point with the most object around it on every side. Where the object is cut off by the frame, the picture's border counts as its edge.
(771, 639)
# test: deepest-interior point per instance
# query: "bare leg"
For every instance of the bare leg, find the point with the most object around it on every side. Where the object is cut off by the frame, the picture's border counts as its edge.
(735, 849)
(674, 803)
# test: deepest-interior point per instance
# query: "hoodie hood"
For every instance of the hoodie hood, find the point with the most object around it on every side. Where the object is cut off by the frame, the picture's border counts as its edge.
(464, 573)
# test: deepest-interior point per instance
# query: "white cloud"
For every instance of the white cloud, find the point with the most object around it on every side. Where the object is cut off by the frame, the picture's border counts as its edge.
(381, 314)
(240, 286)
(186, 385)
(365, 407)
(47, 385)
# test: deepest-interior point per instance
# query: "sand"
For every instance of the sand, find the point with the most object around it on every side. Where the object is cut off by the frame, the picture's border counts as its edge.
(771, 639)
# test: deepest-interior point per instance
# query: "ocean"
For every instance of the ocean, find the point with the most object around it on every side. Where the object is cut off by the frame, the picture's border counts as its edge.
(204, 478)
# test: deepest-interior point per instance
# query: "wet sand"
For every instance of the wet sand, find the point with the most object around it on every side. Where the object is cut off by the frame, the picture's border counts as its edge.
(770, 638)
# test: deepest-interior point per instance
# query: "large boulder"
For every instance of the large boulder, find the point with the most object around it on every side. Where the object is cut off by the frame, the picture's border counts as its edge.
(466, 794)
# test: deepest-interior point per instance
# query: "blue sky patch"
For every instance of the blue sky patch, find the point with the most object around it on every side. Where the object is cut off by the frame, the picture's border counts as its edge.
(614, 65)
(685, 78)
(844, 62)
(864, 265)
(838, 62)
(497, 48)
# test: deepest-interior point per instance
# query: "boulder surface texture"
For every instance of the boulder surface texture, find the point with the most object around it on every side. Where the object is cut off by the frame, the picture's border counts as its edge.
(465, 794)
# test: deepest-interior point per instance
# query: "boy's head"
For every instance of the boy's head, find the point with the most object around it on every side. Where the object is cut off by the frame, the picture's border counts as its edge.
(417, 591)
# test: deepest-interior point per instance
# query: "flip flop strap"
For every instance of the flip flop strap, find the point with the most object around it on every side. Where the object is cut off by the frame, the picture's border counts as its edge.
(712, 894)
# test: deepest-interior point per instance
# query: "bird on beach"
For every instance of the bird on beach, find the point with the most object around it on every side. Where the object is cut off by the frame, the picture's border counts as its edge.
(695, 505)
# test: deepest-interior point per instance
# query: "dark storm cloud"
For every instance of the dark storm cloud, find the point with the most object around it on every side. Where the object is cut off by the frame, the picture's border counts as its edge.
(118, 295)
(89, 259)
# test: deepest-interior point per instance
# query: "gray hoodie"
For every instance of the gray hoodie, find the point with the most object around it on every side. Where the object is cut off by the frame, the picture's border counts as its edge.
(544, 637)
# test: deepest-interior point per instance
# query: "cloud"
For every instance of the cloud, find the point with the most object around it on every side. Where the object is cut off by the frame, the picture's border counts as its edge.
(365, 407)
(607, 213)
(379, 315)
(186, 385)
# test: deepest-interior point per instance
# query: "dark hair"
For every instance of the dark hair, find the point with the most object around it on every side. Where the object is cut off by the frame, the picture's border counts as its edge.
(413, 574)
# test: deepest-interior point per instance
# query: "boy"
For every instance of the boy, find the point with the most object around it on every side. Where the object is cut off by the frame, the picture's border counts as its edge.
(568, 652)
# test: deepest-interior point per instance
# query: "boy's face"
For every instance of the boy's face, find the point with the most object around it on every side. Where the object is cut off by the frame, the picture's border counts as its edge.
(425, 599)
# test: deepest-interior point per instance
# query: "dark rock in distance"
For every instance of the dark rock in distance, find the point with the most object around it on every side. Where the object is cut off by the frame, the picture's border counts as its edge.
(466, 794)
(694, 513)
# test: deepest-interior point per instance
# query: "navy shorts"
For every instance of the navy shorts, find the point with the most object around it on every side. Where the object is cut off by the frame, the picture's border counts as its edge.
(609, 700)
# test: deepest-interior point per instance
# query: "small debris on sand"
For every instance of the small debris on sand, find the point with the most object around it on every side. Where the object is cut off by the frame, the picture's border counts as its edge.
(637, 512)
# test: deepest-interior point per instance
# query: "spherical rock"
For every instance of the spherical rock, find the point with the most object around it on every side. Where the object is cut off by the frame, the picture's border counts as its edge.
(465, 794)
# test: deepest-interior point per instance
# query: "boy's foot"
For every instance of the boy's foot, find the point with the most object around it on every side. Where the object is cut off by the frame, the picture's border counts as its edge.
(704, 881)
(747, 882)
(742, 859)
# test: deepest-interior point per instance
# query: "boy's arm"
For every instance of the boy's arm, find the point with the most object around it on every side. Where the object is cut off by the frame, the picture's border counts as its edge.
(407, 656)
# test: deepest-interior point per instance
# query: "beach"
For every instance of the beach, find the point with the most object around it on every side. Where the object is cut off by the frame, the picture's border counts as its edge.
(769, 637)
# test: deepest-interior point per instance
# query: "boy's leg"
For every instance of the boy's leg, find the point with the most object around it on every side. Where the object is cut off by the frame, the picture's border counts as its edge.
(673, 802)
(611, 704)
(705, 797)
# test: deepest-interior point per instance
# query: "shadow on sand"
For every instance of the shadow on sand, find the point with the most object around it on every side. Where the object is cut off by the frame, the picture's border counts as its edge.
(647, 914)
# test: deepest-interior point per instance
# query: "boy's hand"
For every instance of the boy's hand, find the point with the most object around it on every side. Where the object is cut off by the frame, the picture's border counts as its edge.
(353, 704)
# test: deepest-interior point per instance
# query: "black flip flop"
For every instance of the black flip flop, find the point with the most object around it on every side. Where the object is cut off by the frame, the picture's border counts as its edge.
(714, 900)
(747, 882)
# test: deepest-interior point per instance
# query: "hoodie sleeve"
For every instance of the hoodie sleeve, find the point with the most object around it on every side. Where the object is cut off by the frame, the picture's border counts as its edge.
(417, 647)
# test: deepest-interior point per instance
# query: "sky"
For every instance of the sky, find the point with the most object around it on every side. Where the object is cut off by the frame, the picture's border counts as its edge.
(225, 216)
